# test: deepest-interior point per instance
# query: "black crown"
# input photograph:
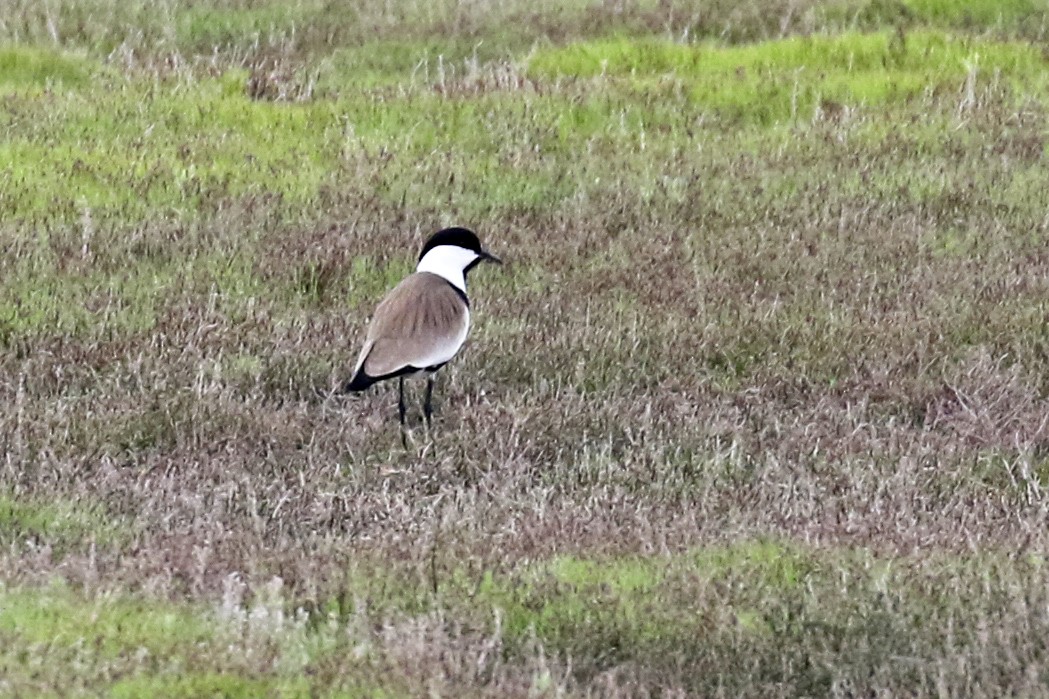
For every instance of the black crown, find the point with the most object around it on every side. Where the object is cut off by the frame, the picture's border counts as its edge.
(460, 237)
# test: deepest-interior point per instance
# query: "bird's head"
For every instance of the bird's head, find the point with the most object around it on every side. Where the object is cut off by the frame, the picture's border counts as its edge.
(452, 252)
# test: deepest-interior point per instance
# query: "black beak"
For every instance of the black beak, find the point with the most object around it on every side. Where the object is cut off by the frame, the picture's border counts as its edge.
(489, 257)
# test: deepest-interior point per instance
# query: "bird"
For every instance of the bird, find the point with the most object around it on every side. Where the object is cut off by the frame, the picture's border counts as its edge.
(423, 321)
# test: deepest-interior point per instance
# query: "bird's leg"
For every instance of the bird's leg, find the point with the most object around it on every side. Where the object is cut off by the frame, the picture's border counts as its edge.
(402, 411)
(401, 407)
(428, 404)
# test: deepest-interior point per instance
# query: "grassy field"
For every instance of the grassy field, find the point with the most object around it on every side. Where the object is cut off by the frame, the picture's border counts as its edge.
(758, 406)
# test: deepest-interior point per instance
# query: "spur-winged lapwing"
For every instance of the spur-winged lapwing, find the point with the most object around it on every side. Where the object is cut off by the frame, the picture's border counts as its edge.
(423, 322)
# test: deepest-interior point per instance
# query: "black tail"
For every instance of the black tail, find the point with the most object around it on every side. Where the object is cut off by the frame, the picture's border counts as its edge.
(359, 382)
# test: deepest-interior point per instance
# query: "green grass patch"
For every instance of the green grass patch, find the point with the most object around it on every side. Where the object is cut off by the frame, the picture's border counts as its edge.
(112, 625)
(23, 67)
(643, 602)
(208, 684)
(787, 79)
(977, 14)
(205, 26)
(61, 640)
(55, 522)
(181, 152)
(194, 151)
(404, 64)
(718, 617)
(191, 151)
(1001, 18)
(82, 296)
(79, 305)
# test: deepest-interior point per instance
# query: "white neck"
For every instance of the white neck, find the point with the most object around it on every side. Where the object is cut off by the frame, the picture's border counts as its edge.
(448, 261)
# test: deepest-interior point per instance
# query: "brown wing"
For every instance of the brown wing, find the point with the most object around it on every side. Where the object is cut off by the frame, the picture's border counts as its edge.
(421, 323)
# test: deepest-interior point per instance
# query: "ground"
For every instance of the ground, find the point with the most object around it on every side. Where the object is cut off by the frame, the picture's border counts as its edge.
(756, 407)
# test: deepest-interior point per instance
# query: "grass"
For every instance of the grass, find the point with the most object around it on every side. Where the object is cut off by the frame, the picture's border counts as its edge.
(756, 406)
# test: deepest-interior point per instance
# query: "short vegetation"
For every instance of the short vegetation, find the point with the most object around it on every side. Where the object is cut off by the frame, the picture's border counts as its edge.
(756, 408)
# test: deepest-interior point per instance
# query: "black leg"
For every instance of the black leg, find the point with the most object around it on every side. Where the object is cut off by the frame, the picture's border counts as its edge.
(402, 410)
(428, 405)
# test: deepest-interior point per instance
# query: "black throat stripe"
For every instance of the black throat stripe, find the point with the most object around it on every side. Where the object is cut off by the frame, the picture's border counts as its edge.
(462, 294)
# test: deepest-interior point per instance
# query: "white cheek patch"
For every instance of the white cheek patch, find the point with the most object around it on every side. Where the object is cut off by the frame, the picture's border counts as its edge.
(448, 262)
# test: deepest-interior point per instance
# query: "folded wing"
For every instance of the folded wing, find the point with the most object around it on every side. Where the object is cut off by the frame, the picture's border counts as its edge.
(421, 324)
